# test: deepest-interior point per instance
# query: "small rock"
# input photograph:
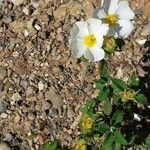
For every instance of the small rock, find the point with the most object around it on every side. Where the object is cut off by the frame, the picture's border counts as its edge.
(26, 10)
(17, 26)
(4, 146)
(37, 27)
(3, 73)
(56, 99)
(24, 83)
(40, 85)
(3, 115)
(1, 1)
(16, 97)
(25, 33)
(70, 113)
(2, 107)
(8, 137)
(17, 2)
(7, 19)
(146, 30)
(17, 118)
(140, 42)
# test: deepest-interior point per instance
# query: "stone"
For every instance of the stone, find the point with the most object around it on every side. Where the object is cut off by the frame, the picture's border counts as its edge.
(37, 27)
(7, 19)
(40, 86)
(17, 26)
(17, 2)
(16, 97)
(70, 113)
(146, 30)
(3, 115)
(56, 99)
(2, 107)
(8, 137)
(4, 146)
(3, 73)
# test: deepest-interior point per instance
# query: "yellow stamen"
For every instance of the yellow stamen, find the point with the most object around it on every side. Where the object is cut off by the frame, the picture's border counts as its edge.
(89, 40)
(80, 145)
(128, 95)
(111, 20)
(87, 123)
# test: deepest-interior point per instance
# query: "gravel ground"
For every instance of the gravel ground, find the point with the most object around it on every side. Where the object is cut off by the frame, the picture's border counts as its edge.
(42, 87)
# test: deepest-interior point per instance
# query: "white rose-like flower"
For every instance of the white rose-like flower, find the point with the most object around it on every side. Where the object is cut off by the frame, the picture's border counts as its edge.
(118, 15)
(86, 39)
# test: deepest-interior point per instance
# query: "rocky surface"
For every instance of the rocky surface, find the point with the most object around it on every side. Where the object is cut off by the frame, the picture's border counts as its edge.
(42, 87)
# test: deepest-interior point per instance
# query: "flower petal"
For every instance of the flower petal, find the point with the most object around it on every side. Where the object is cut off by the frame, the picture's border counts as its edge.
(82, 27)
(114, 31)
(123, 10)
(98, 29)
(101, 14)
(105, 5)
(126, 28)
(112, 6)
(95, 54)
(77, 47)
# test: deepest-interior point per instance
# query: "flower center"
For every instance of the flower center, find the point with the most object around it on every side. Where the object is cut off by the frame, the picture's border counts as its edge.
(87, 123)
(89, 40)
(128, 95)
(111, 20)
(80, 147)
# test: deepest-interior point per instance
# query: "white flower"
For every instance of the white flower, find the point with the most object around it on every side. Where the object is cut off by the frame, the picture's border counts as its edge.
(117, 15)
(86, 39)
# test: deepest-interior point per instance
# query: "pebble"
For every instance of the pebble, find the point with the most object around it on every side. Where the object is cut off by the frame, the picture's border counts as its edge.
(37, 27)
(17, 2)
(2, 107)
(140, 42)
(40, 86)
(4, 146)
(25, 33)
(3, 73)
(8, 137)
(16, 97)
(7, 19)
(3, 115)
(1, 1)
(70, 113)
(146, 30)
(56, 99)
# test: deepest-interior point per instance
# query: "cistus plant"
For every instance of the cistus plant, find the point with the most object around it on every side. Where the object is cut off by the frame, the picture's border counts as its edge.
(112, 121)
(113, 115)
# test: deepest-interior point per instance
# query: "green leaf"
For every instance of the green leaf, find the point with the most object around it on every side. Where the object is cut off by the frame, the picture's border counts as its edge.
(108, 142)
(119, 138)
(100, 84)
(103, 68)
(117, 99)
(103, 128)
(120, 84)
(51, 146)
(89, 107)
(104, 94)
(141, 98)
(147, 142)
(117, 117)
(117, 146)
(107, 108)
(133, 80)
